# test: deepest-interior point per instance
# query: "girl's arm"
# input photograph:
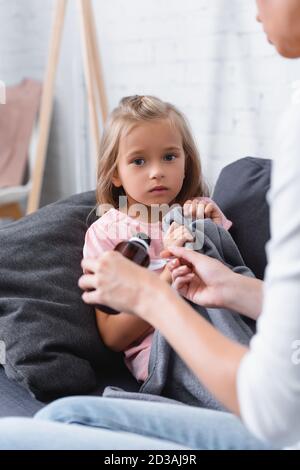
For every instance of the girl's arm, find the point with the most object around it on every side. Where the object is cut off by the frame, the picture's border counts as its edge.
(116, 331)
(119, 331)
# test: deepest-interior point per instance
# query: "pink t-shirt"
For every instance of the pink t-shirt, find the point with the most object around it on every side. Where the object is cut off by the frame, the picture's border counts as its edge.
(103, 235)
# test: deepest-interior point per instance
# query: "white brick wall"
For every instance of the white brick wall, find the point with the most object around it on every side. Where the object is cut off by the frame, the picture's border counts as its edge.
(209, 57)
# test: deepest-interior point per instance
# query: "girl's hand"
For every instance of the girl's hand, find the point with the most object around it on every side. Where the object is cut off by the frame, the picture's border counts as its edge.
(199, 208)
(199, 278)
(115, 281)
(194, 209)
(176, 235)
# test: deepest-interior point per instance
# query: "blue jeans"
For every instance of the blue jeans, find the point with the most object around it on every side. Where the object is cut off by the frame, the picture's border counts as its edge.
(111, 424)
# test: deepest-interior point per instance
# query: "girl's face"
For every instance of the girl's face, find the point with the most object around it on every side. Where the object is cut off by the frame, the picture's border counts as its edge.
(151, 163)
(281, 22)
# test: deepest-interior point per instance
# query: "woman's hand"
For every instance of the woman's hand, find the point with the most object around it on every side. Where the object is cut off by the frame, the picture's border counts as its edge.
(199, 278)
(115, 281)
(208, 282)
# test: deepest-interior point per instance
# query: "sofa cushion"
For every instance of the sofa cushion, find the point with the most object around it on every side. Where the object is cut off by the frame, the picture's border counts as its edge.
(52, 343)
(241, 192)
(15, 400)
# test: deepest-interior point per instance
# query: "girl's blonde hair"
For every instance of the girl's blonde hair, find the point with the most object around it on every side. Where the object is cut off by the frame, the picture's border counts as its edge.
(131, 111)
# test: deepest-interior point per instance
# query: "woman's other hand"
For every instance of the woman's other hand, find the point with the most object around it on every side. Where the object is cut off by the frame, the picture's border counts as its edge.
(199, 278)
(115, 281)
(208, 282)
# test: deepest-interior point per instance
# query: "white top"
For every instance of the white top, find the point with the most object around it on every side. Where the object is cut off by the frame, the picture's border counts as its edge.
(269, 375)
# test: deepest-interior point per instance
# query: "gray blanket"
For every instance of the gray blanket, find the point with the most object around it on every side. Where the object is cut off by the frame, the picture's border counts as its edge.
(169, 378)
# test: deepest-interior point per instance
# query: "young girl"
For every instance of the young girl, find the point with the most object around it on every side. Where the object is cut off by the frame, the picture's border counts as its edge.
(148, 159)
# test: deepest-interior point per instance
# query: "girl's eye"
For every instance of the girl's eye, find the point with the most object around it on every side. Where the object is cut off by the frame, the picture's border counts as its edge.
(169, 157)
(139, 161)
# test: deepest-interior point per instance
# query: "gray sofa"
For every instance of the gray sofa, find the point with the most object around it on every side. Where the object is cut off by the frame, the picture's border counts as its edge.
(17, 401)
(240, 192)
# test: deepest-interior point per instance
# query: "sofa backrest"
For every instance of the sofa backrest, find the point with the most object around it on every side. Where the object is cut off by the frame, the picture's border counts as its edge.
(241, 192)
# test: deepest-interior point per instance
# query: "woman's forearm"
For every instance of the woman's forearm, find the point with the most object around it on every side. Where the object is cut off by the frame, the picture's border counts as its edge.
(120, 331)
(212, 357)
(244, 295)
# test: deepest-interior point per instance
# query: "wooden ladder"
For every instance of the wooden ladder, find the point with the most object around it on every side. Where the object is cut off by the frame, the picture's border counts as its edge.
(95, 90)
